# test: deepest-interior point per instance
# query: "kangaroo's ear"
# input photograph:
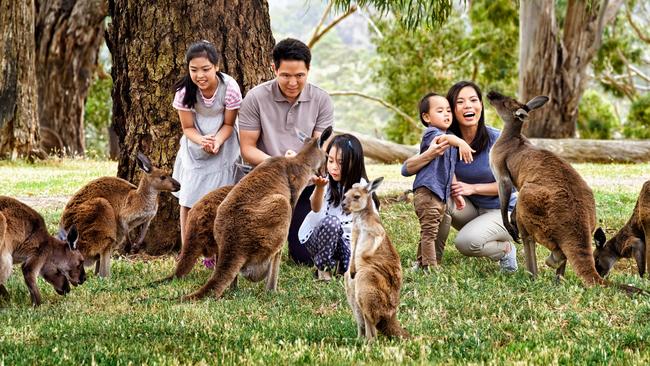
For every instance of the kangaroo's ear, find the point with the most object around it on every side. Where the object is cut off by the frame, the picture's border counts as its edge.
(521, 114)
(372, 186)
(324, 136)
(600, 238)
(73, 236)
(302, 136)
(144, 163)
(536, 102)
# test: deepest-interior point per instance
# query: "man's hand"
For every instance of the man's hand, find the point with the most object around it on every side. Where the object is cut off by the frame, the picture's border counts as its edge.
(290, 153)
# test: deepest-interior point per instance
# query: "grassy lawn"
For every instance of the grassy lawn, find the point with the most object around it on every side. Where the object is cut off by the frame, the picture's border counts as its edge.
(467, 312)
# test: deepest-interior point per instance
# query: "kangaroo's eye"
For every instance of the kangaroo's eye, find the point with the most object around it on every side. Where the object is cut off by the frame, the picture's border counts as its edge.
(357, 196)
(163, 177)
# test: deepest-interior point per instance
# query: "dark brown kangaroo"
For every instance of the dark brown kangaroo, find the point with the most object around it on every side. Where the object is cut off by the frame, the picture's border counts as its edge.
(108, 208)
(24, 239)
(555, 206)
(253, 220)
(629, 242)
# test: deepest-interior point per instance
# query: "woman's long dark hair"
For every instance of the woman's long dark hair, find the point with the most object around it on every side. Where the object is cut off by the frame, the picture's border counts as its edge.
(482, 137)
(352, 169)
(197, 49)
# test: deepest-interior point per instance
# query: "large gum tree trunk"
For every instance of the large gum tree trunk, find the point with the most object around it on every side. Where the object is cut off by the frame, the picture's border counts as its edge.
(18, 97)
(554, 61)
(148, 43)
(68, 37)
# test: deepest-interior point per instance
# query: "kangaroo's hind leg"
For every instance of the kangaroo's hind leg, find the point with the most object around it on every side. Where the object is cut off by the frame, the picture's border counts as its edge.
(529, 251)
(5, 271)
(272, 276)
(225, 271)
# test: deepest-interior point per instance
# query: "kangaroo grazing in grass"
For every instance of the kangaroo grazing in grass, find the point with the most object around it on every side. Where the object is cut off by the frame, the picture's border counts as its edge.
(24, 239)
(374, 279)
(630, 241)
(108, 208)
(253, 220)
(555, 206)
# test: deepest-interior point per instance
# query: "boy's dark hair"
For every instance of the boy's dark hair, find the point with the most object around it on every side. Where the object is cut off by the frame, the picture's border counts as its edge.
(424, 106)
(290, 49)
(352, 169)
(197, 49)
(482, 137)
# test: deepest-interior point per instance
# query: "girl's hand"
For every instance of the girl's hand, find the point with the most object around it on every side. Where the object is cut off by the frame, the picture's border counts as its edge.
(207, 143)
(465, 152)
(319, 181)
(461, 189)
(216, 146)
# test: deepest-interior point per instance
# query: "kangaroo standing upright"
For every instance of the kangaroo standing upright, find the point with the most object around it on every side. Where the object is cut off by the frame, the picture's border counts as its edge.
(374, 279)
(629, 242)
(253, 220)
(108, 208)
(24, 239)
(555, 206)
(199, 232)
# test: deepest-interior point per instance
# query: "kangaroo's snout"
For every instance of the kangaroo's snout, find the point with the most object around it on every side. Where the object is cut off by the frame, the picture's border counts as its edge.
(176, 186)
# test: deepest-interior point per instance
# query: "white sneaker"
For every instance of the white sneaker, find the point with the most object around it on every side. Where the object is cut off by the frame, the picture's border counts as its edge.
(508, 262)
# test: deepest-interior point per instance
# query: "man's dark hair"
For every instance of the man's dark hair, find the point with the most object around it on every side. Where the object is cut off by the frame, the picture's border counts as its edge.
(290, 49)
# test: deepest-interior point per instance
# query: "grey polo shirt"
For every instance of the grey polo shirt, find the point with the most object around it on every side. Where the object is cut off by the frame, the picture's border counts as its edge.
(265, 109)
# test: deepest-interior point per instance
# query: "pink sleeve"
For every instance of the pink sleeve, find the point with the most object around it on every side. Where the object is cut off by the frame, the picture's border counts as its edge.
(233, 95)
(178, 101)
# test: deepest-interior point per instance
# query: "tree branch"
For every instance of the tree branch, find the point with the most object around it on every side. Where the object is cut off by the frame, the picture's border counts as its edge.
(384, 103)
(635, 27)
(320, 23)
(318, 34)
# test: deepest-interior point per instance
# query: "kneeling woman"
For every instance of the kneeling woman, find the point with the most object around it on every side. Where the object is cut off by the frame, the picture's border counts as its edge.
(326, 230)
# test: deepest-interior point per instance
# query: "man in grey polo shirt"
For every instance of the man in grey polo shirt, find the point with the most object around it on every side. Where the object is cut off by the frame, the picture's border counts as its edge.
(272, 111)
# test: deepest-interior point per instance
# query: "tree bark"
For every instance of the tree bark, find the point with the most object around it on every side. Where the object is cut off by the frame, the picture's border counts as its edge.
(68, 37)
(555, 65)
(18, 98)
(148, 43)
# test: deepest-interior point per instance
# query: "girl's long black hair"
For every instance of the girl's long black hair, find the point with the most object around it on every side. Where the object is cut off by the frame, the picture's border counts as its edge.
(352, 169)
(482, 137)
(197, 49)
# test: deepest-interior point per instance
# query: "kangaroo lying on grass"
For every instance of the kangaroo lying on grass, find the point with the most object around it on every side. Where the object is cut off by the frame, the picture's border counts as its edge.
(253, 220)
(374, 279)
(555, 206)
(629, 242)
(24, 239)
(108, 208)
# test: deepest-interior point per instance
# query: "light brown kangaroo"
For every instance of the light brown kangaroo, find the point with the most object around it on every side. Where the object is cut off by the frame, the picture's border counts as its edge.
(631, 241)
(253, 220)
(374, 279)
(106, 209)
(199, 233)
(24, 239)
(555, 206)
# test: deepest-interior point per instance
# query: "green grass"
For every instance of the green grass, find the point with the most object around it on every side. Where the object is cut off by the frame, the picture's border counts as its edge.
(467, 312)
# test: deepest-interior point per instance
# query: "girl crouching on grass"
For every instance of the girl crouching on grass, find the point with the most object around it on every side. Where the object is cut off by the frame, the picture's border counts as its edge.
(326, 231)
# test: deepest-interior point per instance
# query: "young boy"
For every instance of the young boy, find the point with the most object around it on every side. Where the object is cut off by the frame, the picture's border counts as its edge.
(432, 184)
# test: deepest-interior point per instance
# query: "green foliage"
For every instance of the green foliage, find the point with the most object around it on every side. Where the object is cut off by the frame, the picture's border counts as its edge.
(638, 119)
(596, 117)
(97, 117)
(464, 313)
(410, 13)
(482, 48)
(620, 46)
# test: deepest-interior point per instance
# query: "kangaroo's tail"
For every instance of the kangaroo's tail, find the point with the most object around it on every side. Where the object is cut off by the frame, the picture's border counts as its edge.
(390, 327)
